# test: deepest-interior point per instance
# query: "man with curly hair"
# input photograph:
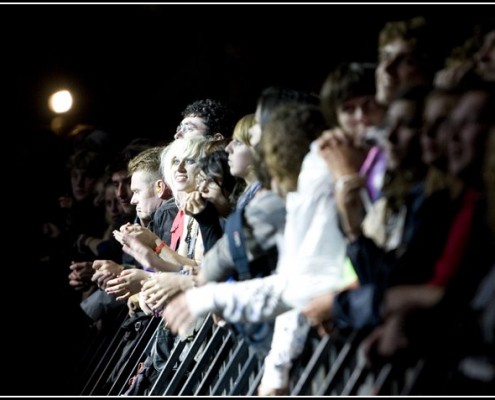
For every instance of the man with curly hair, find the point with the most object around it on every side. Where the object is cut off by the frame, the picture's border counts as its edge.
(209, 118)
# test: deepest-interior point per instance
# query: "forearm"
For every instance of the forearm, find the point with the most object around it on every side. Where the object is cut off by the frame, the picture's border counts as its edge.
(255, 300)
(289, 337)
(175, 260)
(352, 202)
(153, 260)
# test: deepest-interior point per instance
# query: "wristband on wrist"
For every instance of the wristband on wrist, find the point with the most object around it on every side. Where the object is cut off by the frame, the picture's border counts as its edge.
(159, 247)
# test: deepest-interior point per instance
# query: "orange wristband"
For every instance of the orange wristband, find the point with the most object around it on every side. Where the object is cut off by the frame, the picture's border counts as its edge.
(159, 247)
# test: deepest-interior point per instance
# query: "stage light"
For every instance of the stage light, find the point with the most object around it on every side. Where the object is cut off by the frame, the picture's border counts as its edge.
(60, 102)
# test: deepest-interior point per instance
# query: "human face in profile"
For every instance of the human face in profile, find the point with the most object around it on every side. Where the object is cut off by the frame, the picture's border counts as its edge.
(241, 158)
(397, 68)
(143, 189)
(190, 127)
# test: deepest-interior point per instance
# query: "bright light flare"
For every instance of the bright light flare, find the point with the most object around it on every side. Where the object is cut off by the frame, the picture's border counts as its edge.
(60, 102)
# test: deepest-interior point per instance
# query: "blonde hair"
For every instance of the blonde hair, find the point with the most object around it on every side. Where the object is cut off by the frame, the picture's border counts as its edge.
(241, 129)
(193, 147)
(147, 161)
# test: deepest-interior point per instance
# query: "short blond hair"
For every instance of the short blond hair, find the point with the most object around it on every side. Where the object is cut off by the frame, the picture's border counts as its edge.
(193, 147)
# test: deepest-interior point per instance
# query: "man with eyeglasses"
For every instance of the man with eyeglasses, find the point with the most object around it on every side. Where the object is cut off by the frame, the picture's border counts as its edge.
(209, 118)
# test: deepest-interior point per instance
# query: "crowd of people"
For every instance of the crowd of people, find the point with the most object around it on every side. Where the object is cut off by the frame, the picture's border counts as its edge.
(367, 206)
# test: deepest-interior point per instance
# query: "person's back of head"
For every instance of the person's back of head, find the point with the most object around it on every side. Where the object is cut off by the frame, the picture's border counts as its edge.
(273, 96)
(286, 141)
(269, 99)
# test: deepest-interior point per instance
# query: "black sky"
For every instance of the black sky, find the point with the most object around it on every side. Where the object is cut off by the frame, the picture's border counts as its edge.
(135, 67)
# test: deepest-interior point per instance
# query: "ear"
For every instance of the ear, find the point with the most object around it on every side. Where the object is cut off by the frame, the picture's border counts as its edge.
(162, 189)
(159, 187)
(218, 136)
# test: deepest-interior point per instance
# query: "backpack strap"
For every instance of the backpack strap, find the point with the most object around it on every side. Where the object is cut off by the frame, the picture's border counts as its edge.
(237, 240)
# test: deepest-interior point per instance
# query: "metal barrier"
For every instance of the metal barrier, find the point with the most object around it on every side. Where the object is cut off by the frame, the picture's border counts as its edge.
(98, 347)
(218, 363)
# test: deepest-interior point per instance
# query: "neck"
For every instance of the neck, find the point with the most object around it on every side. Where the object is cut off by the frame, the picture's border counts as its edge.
(180, 198)
(250, 179)
(144, 221)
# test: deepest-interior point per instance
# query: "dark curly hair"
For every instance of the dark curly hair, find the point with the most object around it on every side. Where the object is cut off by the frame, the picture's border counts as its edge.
(216, 166)
(217, 116)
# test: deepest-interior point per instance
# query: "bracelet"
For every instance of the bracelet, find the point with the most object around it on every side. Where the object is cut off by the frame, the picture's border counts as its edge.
(159, 248)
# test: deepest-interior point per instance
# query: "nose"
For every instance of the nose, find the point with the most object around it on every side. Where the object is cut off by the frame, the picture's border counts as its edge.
(134, 200)
(182, 165)
(178, 134)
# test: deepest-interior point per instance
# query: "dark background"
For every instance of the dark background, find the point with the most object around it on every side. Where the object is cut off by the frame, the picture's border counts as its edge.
(133, 69)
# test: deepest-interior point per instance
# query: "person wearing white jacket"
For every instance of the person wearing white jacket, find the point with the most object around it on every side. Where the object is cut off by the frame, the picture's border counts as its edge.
(311, 252)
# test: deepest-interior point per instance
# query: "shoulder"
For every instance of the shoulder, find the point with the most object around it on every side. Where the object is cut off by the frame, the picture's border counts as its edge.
(169, 207)
(266, 206)
(265, 200)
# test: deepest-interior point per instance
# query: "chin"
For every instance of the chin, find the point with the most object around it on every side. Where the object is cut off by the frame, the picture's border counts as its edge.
(142, 216)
